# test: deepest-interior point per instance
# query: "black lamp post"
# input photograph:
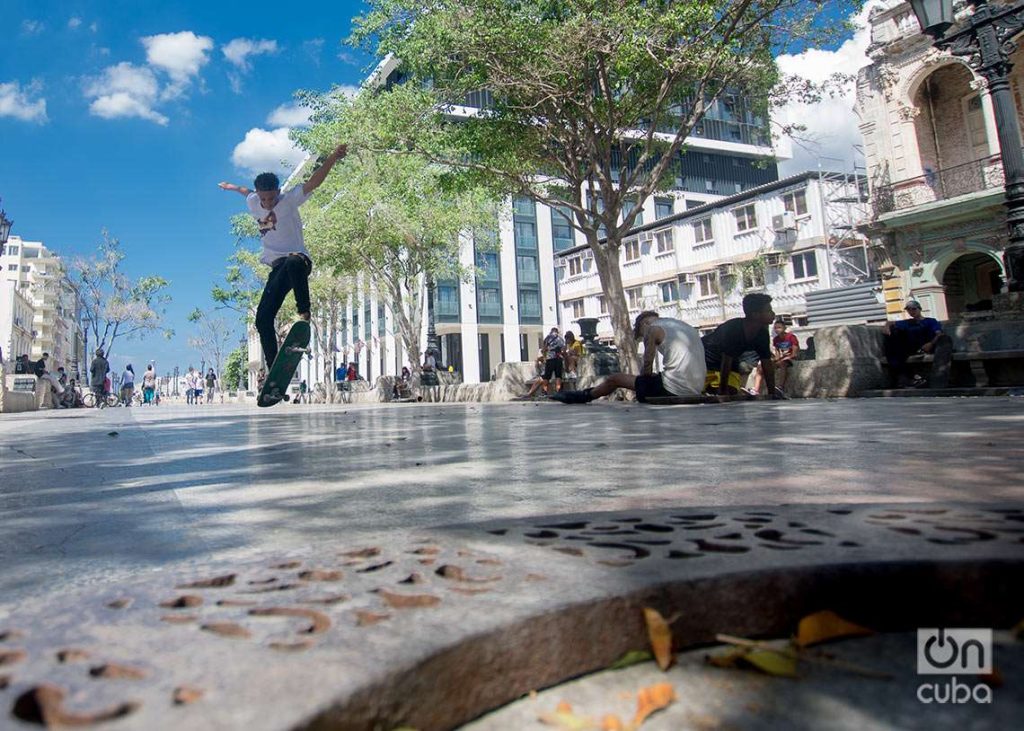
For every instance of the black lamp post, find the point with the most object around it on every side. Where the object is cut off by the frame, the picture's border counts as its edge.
(984, 41)
(433, 344)
(175, 386)
(5, 229)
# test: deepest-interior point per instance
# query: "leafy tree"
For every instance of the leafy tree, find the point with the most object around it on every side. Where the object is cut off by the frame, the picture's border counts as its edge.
(213, 338)
(588, 102)
(394, 219)
(113, 305)
(236, 368)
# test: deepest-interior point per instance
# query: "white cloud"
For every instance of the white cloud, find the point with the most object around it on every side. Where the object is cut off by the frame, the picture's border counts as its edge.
(831, 123)
(94, 26)
(125, 90)
(289, 115)
(264, 150)
(22, 102)
(32, 27)
(74, 22)
(238, 51)
(181, 55)
(313, 48)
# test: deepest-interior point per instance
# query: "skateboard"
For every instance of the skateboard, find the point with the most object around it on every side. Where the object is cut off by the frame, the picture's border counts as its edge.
(275, 388)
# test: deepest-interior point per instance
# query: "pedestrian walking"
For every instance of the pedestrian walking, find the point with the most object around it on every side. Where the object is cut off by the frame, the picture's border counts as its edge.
(211, 383)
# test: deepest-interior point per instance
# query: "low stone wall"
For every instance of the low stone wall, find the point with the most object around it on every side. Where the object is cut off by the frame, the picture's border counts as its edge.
(12, 401)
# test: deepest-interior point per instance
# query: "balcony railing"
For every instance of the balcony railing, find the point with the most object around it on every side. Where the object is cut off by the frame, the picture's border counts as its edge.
(939, 185)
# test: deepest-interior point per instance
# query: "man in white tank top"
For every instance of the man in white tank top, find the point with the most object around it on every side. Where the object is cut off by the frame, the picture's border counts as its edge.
(682, 360)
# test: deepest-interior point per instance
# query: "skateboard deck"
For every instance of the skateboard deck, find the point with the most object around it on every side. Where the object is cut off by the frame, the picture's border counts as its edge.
(275, 388)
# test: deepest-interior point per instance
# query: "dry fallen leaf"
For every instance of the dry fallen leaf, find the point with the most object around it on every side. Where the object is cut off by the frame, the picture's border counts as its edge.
(633, 657)
(564, 719)
(727, 659)
(660, 636)
(611, 722)
(824, 626)
(652, 699)
(772, 663)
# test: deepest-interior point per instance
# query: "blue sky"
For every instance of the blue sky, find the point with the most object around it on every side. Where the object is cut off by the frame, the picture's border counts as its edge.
(126, 115)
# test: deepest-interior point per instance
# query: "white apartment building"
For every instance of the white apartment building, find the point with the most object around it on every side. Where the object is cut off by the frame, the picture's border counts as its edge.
(503, 311)
(16, 315)
(38, 275)
(786, 238)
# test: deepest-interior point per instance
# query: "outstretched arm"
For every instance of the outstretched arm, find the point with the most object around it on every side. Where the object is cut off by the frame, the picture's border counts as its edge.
(237, 188)
(320, 174)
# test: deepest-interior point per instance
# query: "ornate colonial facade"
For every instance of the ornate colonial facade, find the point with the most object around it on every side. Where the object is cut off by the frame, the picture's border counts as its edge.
(938, 225)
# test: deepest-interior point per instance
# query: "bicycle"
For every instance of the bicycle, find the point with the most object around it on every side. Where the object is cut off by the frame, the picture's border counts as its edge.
(89, 399)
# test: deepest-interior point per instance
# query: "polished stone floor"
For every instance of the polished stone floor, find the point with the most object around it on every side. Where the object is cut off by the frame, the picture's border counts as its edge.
(90, 495)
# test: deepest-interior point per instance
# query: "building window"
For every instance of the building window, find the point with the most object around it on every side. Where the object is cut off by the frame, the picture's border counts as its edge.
(529, 303)
(527, 270)
(746, 218)
(805, 265)
(447, 299)
(602, 304)
(635, 297)
(796, 202)
(561, 229)
(12, 249)
(632, 249)
(12, 267)
(627, 208)
(663, 208)
(575, 266)
(577, 308)
(707, 284)
(702, 232)
(488, 302)
(975, 118)
(664, 242)
(669, 291)
(382, 319)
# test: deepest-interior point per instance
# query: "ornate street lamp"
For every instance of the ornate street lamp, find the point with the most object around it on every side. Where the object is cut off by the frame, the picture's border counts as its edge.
(984, 41)
(5, 229)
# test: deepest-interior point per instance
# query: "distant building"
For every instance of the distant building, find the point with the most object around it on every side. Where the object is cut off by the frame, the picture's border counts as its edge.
(787, 238)
(39, 276)
(16, 316)
(938, 226)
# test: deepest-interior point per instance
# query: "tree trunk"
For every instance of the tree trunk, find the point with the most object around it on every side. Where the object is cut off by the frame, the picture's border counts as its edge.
(606, 256)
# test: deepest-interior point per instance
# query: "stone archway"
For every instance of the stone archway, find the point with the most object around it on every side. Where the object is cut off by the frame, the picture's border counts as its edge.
(969, 282)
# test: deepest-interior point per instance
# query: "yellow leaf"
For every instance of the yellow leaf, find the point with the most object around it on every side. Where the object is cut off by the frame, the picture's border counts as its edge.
(772, 663)
(612, 722)
(633, 657)
(564, 719)
(824, 626)
(660, 636)
(652, 699)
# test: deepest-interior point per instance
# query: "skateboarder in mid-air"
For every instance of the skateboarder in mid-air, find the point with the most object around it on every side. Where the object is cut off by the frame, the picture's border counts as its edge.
(284, 251)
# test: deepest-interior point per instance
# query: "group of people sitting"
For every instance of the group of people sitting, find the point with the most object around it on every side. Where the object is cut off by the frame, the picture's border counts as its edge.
(692, 365)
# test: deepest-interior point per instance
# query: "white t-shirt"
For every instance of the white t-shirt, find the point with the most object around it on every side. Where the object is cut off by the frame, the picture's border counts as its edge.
(281, 226)
(127, 378)
(682, 358)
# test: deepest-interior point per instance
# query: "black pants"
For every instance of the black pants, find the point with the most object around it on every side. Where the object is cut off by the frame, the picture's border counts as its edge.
(901, 345)
(287, 273)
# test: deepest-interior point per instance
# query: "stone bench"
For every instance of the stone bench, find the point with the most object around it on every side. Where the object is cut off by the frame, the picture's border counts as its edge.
(976, 359)
(19, 392)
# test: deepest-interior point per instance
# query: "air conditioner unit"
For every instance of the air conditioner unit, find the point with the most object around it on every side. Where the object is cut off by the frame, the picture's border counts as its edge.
(687, 278)
(726, 270)
(784, 222)
(646, 238)
(773, 259)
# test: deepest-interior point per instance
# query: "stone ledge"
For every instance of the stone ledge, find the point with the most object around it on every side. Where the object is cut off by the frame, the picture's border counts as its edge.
(432, 629)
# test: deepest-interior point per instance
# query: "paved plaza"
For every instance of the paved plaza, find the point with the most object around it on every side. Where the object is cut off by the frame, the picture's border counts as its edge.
(417, 565)
(89, 495)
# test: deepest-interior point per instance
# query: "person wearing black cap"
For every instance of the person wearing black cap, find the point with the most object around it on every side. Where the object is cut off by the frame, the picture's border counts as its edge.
(916, 334)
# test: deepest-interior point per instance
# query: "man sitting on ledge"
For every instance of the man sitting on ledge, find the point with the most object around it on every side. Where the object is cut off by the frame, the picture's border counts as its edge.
(916, 334)
(682, 358)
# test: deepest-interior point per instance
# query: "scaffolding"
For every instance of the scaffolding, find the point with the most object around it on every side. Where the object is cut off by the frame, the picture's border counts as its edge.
(844, 204)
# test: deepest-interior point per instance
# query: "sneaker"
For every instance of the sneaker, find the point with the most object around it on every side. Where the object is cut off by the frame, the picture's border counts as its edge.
(749, 391)
(919, 382)
(572, 397)
(780, 393)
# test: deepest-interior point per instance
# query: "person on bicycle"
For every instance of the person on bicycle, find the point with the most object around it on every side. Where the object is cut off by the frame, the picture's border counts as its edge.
(98, 376)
